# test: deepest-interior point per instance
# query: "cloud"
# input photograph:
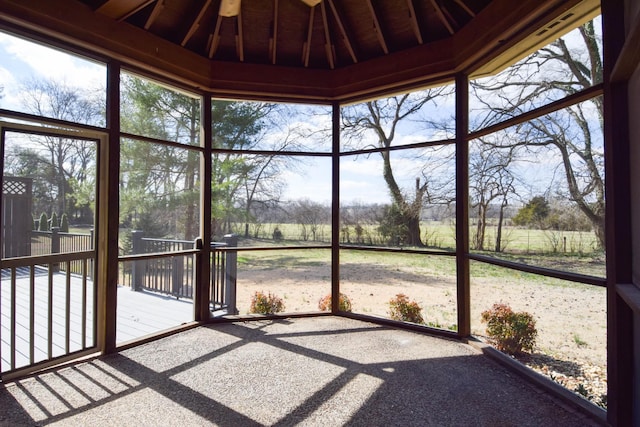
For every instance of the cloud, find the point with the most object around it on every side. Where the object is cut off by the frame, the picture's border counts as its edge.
(24, 59)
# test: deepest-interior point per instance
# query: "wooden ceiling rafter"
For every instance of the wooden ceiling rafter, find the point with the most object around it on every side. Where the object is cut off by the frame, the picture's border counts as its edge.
(115, 9)
(377, 29)
(239, 37)
(328, 46)
(441, 17)
(136, 10)
(196, 23)
(450, 17)
(214, 39)
(495, 33)
(306, 46)
(273, 41)
(466, 8)
(343, 31)
(414, 22)
(154, 14)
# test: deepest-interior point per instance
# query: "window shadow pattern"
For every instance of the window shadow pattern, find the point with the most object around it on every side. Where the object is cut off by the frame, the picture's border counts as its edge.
(321, 371)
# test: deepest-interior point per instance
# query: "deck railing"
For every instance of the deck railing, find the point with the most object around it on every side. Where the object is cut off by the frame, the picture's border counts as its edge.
(48, 302)
(46, 315)
(55, 242)
(164, 269)
(168, 273)
(224, 268)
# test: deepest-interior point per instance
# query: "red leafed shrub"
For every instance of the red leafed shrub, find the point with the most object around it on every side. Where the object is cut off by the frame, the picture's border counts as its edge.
(266, 304)
(400, 308)
(344, 303)
(508, 331)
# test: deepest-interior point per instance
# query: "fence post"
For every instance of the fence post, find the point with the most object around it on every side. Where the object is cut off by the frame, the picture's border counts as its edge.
(231, 274)
(177, 276)
(137, 270)
(92, 246)
(55, 246)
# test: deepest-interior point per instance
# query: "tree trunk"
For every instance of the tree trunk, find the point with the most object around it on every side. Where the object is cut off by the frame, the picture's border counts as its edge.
(413, 231)
(480, 229)
(499, 231)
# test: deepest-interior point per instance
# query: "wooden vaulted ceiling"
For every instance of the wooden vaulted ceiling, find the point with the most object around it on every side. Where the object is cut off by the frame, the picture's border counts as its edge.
(295, 33)
(314, 50)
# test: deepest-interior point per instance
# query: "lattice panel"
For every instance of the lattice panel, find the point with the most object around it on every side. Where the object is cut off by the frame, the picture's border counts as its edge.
(14, 187)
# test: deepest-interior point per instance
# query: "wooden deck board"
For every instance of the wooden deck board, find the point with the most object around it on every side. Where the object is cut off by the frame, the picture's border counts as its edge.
(139, 314)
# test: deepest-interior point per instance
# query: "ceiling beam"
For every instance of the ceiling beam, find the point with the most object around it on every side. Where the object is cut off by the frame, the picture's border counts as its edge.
(239, 37)
(214, 39)
(441, 17)
(121, 9)
(450, 17)
(377, 29)
(306, 46)
(154, 14)
(328, 46)
(196, 23)
(343, 31)
(273, 41)
(465, 8)
(414, 22)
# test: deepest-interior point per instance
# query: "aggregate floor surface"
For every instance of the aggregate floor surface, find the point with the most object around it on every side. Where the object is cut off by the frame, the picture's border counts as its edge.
(326, 371)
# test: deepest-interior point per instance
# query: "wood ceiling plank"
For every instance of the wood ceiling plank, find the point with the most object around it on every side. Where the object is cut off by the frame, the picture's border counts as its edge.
(343, 31)
(154, 14)
(414, 22)
(376, 27)
(196, 23)
(441, 17)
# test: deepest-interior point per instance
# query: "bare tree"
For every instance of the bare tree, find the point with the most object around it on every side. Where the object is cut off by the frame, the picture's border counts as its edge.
(383, 117)
(68, 159)
(310, 216)
(574, 134)
(490, 180)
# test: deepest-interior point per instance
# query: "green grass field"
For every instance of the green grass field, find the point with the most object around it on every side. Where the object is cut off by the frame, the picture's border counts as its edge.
(572, 251)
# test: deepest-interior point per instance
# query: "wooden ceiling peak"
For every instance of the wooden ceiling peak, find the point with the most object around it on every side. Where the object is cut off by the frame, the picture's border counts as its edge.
(320, 34)
(284, 49)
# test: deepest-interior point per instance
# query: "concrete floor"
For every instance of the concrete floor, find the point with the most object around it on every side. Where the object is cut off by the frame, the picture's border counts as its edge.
(325, 371)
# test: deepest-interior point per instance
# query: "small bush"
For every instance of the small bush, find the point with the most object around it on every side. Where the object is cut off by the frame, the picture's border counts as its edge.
(344, 303)
(277, 234)
(266, 304)
(64, 223)
(510, 332)
(400, 308)
(54, 220)
(43, 224)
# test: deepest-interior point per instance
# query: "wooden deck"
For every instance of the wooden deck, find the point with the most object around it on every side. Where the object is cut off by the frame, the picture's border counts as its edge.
(70, 314)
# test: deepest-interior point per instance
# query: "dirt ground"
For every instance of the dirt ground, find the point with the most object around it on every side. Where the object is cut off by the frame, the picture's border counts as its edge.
(570, 318)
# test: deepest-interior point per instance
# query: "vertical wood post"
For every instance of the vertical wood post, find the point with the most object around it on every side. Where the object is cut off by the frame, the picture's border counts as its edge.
(138, 266)
(462, 205)
(201, 294)
(108, 212)
(230, 274)
(620, 335)
(55, 246)
(335, 209)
